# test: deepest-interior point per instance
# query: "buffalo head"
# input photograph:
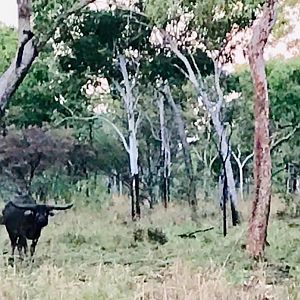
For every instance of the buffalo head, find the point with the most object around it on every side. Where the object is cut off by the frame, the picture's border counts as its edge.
(39, 213)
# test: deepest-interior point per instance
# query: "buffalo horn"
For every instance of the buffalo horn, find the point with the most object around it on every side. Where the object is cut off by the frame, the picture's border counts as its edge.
(55, 207)
(30, 206)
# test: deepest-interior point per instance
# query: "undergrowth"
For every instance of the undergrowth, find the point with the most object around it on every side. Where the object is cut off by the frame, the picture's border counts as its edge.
(94, 251)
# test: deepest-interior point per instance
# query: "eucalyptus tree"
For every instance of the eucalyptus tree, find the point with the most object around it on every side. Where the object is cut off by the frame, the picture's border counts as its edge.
(118, 46)
(49, 17)
(130, 101)
(257, 231)
(165, 151)
(162, 70)
(208, 25)
(192, 196)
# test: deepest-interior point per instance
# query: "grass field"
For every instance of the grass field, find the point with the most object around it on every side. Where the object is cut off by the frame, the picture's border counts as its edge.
(93, 253)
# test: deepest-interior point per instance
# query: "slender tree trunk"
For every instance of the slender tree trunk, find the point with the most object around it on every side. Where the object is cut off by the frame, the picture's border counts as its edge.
(133, 157)
(288, 178)
(132, 198)
(87, 189)
(225, 153)
(114, 185)
(165, 152)
(169, 188)
(241, 174)
(120, 185)
(150, 182)
(167, 170)
(185, 147)
(165, 191)
(257, 231)
(137, 196)
(224, 197)
(95, 180)
(130, 103)
(165, 175)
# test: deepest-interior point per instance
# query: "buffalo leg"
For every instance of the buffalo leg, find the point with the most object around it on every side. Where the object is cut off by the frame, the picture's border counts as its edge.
(32, 246)
(13, 240)
(22, 243)
(19, 246)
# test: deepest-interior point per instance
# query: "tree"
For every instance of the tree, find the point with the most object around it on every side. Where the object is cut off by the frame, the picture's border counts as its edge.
(192, 196)
(25, 153)
(117, 57)
(165, 151)
(257, 232)
(214, 109)
(30, 45)
(214, 23)
(130, 104)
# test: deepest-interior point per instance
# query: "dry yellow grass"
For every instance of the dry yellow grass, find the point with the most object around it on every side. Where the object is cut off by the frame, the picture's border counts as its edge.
(181, 282)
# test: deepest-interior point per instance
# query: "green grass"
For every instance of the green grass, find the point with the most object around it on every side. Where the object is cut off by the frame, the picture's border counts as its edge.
(90, 253)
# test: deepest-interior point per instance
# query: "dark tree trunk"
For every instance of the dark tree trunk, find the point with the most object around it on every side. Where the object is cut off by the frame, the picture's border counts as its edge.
(120, 184)
(132, 198)
(168, 188)
(95, 180)
(150, 182)
(87, 189)
(257, 231)
(224, 202)
(137, 196)
(164, 192)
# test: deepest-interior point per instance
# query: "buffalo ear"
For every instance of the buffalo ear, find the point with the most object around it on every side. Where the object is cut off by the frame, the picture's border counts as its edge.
(28, 212)
(51, 213)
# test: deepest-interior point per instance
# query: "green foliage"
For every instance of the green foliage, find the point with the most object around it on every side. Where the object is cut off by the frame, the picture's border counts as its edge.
(45, 15)
(105, 34)
(283, 88)
(8, 46)
(35, 100)
(110, 152)
(284, 94)
(212, 20)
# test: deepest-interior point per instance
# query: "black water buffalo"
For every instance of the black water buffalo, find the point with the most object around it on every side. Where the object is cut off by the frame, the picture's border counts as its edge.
(25, 221)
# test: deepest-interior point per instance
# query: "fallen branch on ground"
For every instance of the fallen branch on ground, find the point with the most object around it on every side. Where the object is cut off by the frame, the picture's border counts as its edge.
(191, 235)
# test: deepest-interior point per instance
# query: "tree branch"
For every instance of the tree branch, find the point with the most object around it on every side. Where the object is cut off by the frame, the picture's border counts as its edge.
(98, 117)
(247, 158)
(154, 134)
(197, 83)
(138, 121)
(285, 138)
(274, 145)
(128, 87)
(236, 158)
